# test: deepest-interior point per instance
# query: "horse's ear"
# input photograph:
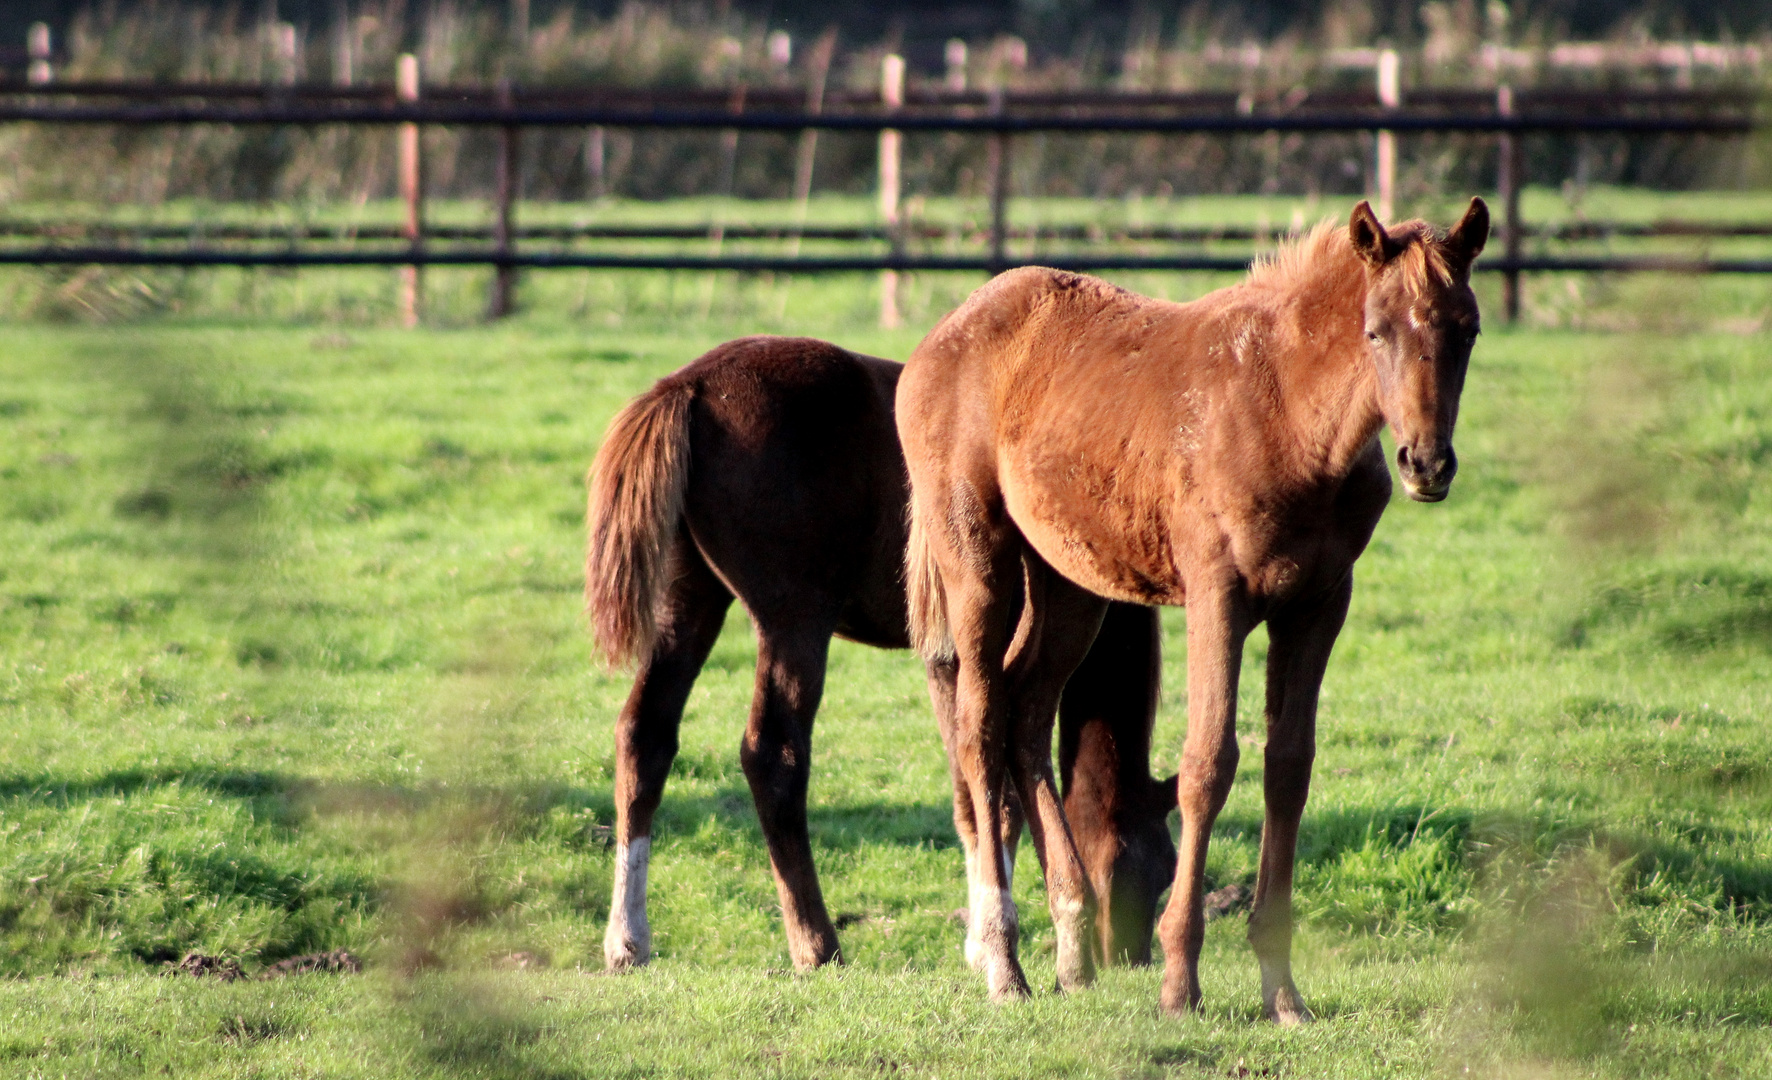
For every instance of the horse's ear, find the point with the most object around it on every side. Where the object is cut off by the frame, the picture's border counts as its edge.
(1370, 240)
(1166, 793)
(1472, 231)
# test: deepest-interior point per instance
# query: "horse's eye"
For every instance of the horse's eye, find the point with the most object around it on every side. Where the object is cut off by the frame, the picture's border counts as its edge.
(1371, 335)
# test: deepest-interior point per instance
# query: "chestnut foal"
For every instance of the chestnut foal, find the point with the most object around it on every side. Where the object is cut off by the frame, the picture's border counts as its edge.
(1068, 441)
(769, 470)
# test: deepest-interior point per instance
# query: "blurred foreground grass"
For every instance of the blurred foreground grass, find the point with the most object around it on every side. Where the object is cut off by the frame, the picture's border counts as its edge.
(292, 661)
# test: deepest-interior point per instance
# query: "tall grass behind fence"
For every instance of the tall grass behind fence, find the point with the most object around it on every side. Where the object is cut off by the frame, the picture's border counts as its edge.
(659, 46)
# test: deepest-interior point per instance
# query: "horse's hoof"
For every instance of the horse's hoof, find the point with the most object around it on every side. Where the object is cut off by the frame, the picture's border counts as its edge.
(1287, 1009)
(1076, 964)
(1179, 1002)
(1010, 985)
(1070, 982)
(621, 955)
(812, 955)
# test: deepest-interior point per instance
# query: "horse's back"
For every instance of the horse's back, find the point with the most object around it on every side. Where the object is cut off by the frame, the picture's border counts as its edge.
(1084, 409)
(796, 482)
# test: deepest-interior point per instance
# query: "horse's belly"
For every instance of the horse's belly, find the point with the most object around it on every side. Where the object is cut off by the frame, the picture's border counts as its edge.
(1117, 555)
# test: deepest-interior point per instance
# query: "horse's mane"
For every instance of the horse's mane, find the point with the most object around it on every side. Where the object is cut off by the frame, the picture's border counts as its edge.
(1422, 261)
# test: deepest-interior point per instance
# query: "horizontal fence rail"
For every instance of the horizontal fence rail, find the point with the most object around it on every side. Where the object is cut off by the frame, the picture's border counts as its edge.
(789, 93)
(469, 114)
(789, 97)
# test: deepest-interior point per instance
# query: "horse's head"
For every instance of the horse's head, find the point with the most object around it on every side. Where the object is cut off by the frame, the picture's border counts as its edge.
(1122, 832)
(1118, 813)
(1420, 323)
(1142, 870)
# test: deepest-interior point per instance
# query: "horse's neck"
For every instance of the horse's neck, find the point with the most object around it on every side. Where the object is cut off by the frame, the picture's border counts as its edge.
(1330, 385)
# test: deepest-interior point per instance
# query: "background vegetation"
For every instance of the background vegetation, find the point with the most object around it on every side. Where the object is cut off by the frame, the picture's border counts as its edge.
(1201, 47)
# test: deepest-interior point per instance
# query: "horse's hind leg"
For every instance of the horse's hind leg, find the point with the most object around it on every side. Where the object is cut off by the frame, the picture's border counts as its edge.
(1299, 642)
(1060, 624)
(777, 759)
(980, 608)
(941, 694)
(646, 742)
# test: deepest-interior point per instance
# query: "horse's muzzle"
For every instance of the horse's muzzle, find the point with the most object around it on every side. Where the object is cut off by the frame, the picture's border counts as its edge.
(1427, 477)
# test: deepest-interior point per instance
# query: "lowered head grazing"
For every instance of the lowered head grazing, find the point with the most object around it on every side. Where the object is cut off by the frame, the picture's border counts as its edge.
(1420, 323)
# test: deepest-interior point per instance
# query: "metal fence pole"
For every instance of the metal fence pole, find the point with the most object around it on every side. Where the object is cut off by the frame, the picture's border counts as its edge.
(819, 69)
(595, 162)
(412, 193)
(1510, 175)
(997, 164)
(504, 277)
(729, 145)
(892, 97)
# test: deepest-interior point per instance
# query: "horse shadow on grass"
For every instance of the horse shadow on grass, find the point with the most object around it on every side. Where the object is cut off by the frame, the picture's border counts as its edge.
(580, 817)
(1482, 843)
(290, 801)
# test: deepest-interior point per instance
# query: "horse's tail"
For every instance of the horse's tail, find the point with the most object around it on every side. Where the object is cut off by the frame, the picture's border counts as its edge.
(637, 486)
(926, 599)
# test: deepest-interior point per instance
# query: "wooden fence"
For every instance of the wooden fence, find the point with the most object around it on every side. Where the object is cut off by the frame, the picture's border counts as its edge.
(997, 116)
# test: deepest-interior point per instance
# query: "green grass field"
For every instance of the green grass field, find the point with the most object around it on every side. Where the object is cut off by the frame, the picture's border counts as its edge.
(293, 661)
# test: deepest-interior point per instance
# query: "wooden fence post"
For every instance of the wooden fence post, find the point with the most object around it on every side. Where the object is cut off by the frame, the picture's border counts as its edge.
(955, 55)
(411, 192)
(343, 53)
(1509, 177)
(37, 44)
(1390, 96)
(997, 165)
(892, 97)
(504, 277)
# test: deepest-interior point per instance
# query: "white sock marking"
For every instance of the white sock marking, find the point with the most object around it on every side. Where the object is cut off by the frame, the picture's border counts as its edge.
(628, 941)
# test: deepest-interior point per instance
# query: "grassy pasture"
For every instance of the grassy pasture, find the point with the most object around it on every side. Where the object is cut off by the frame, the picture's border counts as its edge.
(292, 661)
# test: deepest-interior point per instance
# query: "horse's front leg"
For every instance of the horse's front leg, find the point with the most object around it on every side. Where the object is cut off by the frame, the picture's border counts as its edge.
(646, 744)
(1217, 623)
(1300, 637)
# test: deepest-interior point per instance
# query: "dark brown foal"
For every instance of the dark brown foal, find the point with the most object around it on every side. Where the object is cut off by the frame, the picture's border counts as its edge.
(1069, 441)
(769, 470)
